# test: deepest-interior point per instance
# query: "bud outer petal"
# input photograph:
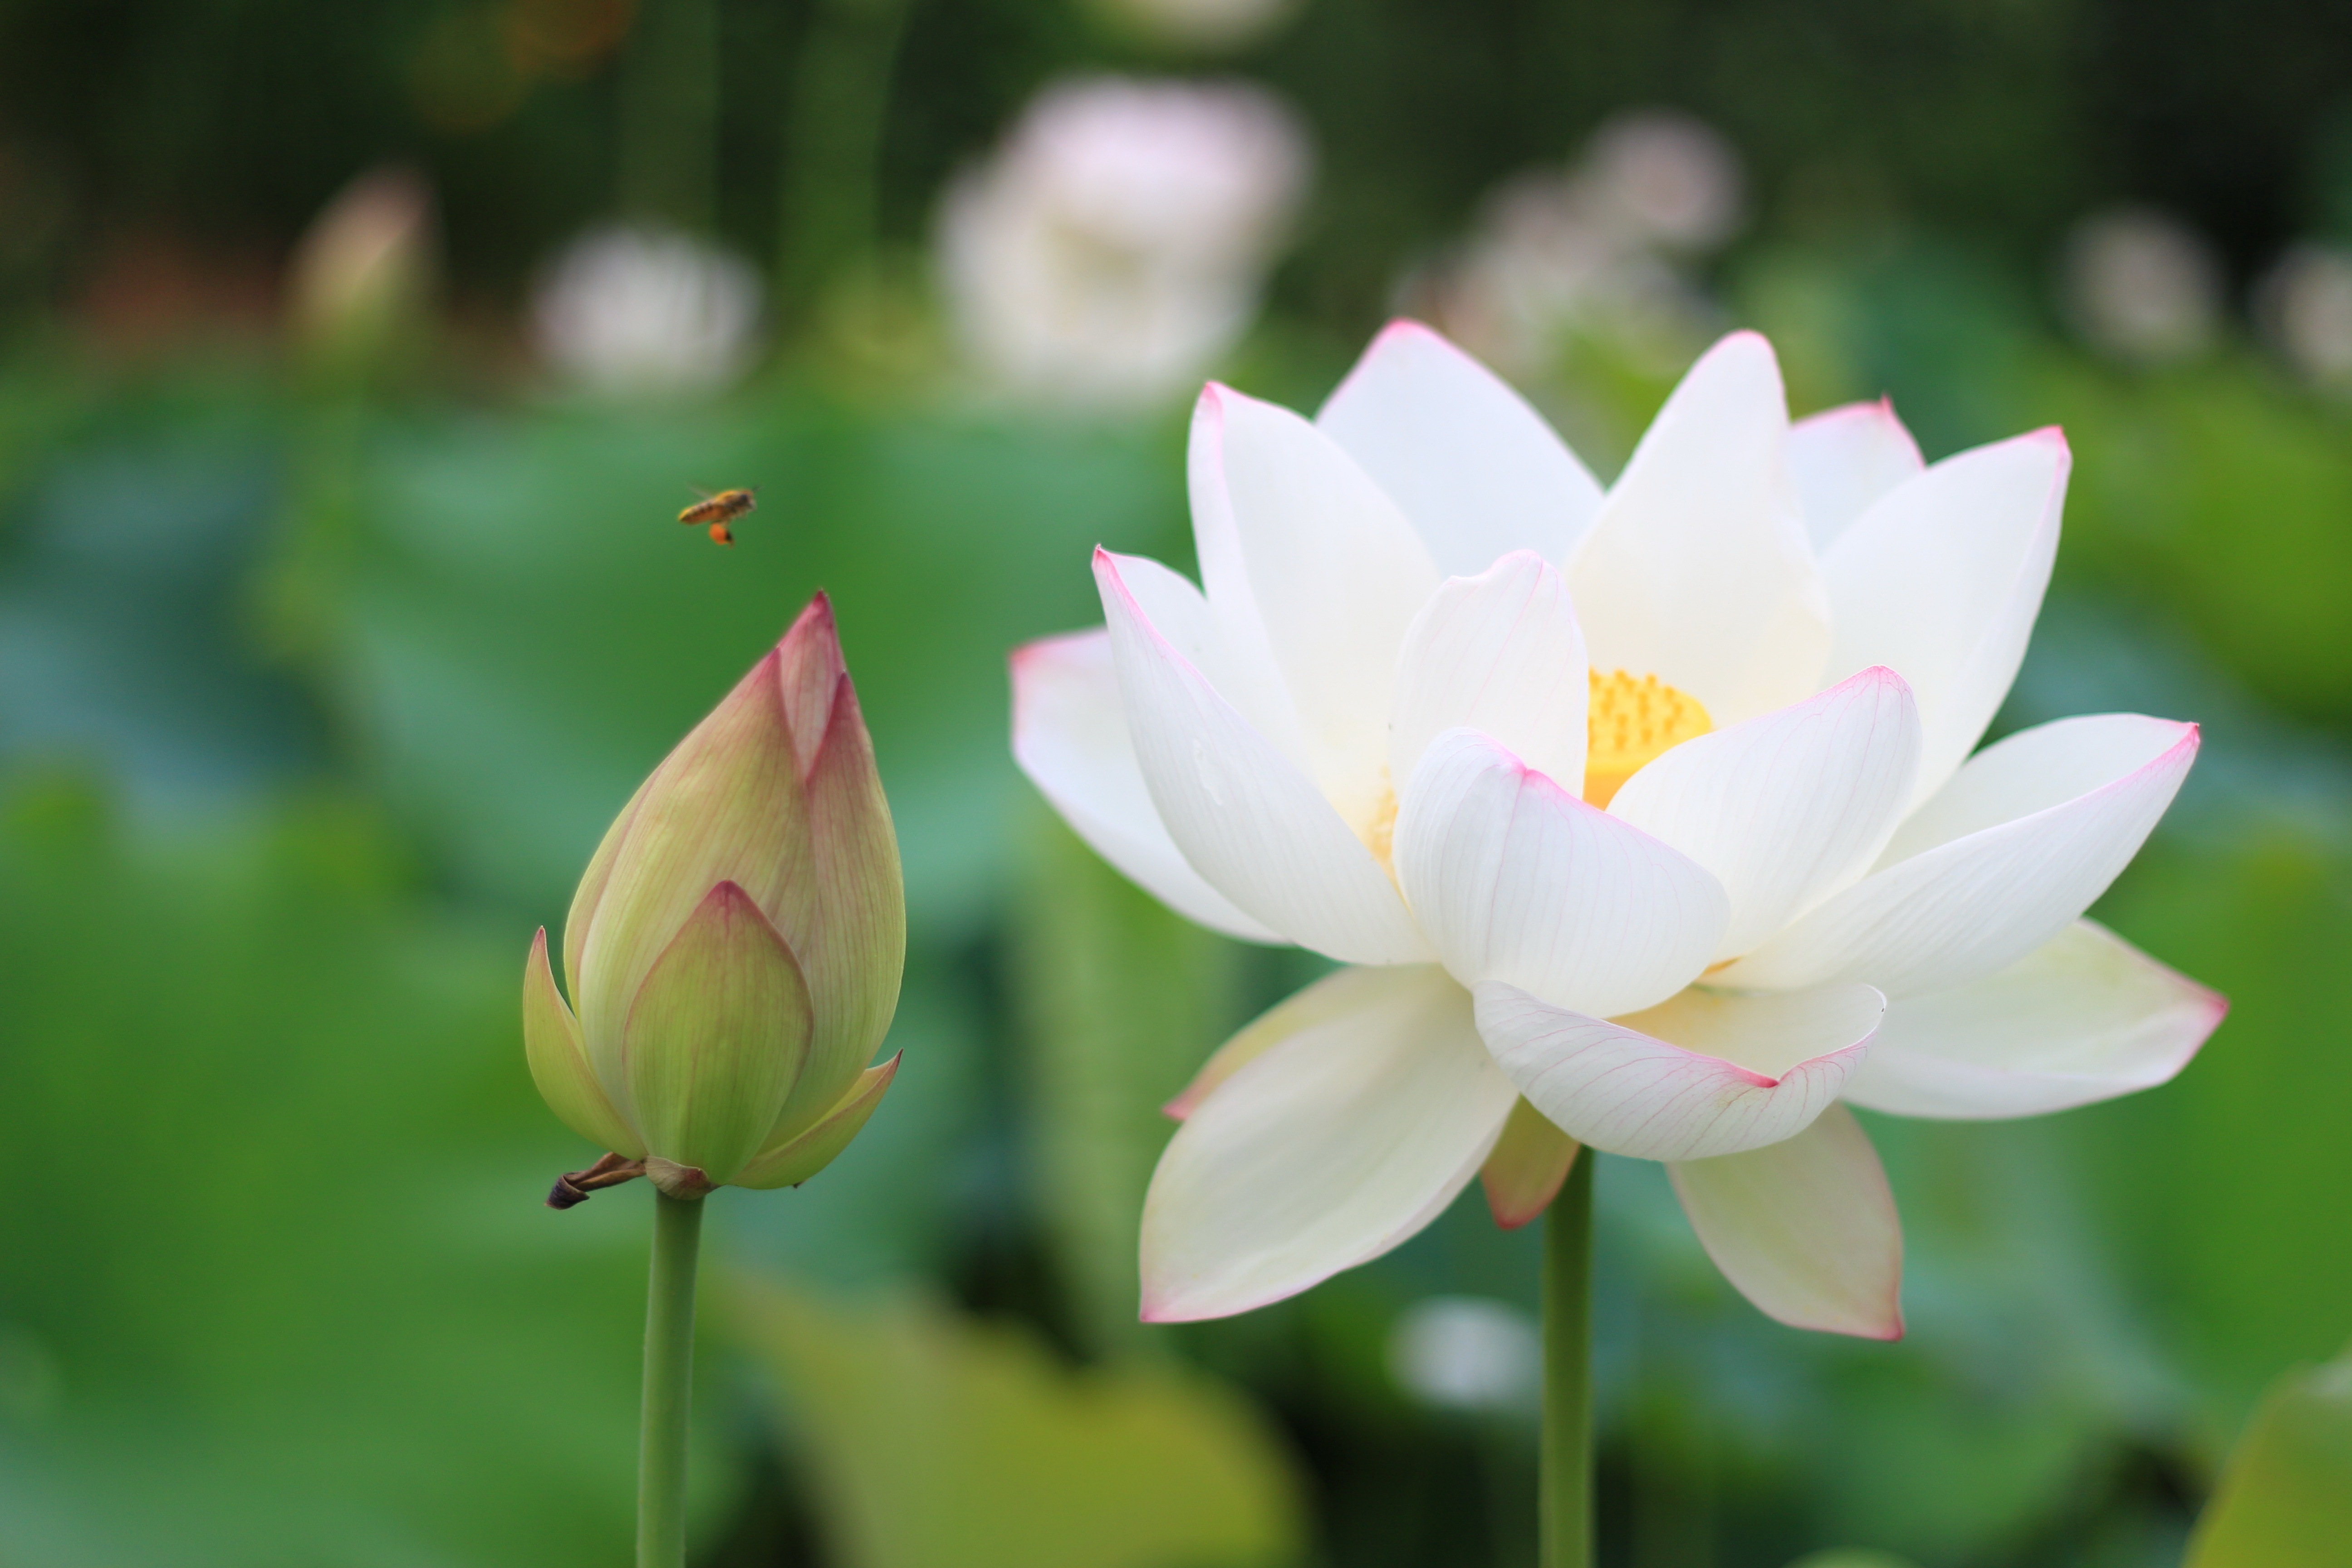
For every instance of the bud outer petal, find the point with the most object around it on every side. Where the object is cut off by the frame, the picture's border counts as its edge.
(847, 920)
(724, 807)
(593, 881)
(716, 1036)
(794, 1160)
(550, 1040)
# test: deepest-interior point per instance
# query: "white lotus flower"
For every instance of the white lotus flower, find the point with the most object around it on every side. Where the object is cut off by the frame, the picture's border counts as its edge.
(645, 312)
(1644, 818)
(1114, 247)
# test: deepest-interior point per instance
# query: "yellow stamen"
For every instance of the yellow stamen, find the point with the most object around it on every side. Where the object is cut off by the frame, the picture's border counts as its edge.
(1628, 725)
(1378, 832)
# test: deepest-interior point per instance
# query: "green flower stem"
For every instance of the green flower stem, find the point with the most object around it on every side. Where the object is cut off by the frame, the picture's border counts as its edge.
(669, 1373)
(1564, 1505)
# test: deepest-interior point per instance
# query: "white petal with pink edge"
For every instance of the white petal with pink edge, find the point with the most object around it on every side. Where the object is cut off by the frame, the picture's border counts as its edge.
(1957, 910)
(1323, 1152)
(1477, 471)
(1697, 570)
(1499, 653)
(1515, 879)
(1844, 459)
(1252, 825)
(1785, 808)
(1704, 1074)
(1941, 581)
(2084, 1017)
(1805, 1229)
(1337, 574)
(1239, 629)
(1069, 736)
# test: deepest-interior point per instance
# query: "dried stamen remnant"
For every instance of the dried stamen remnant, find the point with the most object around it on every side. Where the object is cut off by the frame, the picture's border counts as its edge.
(574, 1187)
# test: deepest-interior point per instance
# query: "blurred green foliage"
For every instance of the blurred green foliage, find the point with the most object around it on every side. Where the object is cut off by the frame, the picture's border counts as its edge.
(940, 1443)
(2285, 1499)
(276, 1290)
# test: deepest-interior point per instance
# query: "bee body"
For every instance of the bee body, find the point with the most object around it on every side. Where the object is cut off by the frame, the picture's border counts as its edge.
(721, 509)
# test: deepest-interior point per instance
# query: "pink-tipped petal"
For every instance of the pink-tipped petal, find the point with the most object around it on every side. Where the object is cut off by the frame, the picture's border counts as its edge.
(1698, 570)
(1530, 1161)
(1069, 735)
(1477, 471)
(2084, 1017)
(1336, 575)
(1951, 912)
(1940, 581)
(1253, 826)
(1517, 880)
(1784, 808)
(1499, 653)
(809, 675)
(1844, 459)
(1706, 1073)
(1327, 1150)
(1805, 1229)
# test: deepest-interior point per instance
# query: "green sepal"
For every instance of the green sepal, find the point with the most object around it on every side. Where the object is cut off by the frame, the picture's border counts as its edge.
(716, 1036)
(794, 1160)
(558, 1066)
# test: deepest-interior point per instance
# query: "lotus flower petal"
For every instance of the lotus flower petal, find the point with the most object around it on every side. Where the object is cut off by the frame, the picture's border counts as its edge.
(1530, 1161)
(1069, 735)
(1697, 570)
(1961, 909)
(1517, 880)
(1254, 826)
(2084, 1017)
(1704, 1074)
(717, 1037)
(1806, 1228)
(1335, 571)
(559, 1064)
(1784, 808)
(1341, 994)
(1844, 461)
(1940, 581)
(1325, 1152)
(1499, 652)
(1477, 471)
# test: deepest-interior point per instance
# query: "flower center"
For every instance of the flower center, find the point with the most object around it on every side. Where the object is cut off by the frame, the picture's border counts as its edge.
(1628, 723)
(1379, 831)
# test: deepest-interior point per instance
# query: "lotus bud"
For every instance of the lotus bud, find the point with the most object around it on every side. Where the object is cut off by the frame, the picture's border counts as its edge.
(734, 950)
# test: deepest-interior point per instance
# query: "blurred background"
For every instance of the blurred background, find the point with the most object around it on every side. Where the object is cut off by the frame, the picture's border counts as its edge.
(353, 360)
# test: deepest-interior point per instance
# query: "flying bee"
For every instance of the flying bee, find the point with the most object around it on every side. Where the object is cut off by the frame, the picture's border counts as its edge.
(719, 510)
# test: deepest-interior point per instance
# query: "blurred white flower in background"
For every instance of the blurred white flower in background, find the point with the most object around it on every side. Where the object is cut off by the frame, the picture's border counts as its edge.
(1199, 23)
(646, 312)
(1666, 179)
(2306, 309)
(1598, 249)
(1115, 246)
(2142, 287)
(364, 267)
(1468, 1354)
